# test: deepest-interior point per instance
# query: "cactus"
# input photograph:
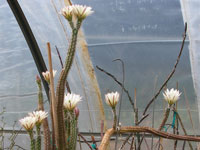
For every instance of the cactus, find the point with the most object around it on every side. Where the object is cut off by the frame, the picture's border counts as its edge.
(80, 13)
(61, 86)
(73, 132)
(38, 140)
(67, 128)
(47, 138)
(32, 140)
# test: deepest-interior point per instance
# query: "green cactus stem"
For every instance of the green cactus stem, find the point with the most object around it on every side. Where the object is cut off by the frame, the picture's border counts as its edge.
(71, 24)
(46, 130)
(60, 90)
(73, 132)
(115, 117)
(38, 140)
(67, 128)
(32, 140)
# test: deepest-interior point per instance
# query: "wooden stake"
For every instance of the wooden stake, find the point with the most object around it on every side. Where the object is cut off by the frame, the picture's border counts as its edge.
(53, 98)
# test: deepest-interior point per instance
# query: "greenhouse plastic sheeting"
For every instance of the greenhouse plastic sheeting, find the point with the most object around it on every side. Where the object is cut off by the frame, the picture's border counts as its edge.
(191, 15)
(19, 91)
(145, 34)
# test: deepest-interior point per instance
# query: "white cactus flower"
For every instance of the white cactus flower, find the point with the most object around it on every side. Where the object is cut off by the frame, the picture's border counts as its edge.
(46, 75)
(112, 99)
(39, 115)
(71, 101)
(28, 122)
(171, 96)
(82, 11)
(67, 12)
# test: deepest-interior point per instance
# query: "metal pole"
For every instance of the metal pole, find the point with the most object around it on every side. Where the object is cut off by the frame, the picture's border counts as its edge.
(30, 39)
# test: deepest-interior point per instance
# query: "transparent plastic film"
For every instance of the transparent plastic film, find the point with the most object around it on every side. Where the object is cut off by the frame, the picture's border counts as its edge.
(191, 15)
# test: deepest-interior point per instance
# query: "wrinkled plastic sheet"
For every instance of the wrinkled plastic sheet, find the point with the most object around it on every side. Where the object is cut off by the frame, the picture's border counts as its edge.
(18, 88)
(191, 15)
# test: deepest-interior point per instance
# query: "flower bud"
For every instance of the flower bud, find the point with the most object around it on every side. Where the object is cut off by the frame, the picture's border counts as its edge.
(76, 112)
(38, 80)
(46, 75)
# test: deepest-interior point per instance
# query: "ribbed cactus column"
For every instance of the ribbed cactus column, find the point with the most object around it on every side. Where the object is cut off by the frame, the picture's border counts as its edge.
(114, 118)
(46, 131)
(67, 128)
(71, 119)
(73, 132)
(61, 87)
(79, 13)
(32, 140)
(38, 140)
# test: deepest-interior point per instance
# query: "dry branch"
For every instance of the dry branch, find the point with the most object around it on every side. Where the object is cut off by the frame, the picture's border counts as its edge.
(170, 75)
(120, 84)
(85, 141)
(137, 129)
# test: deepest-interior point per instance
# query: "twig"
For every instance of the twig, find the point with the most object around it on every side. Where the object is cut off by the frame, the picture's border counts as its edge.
(132, 143)
(155, 83)
(146, 142)
(125, 141)
(120, 102)
(85, 141)
(160, 145)
(119, 83)
(170, 75)
(136, 116)
(143, 117)
(189, 112)
(157, 144)
(61, 62)
(80, 142)
(102, 128)
(183, 148)
(181, 123)
(139, 144)
(176, 141)
(58, 15)
(13, 136)
(19, 147)
(135, 106)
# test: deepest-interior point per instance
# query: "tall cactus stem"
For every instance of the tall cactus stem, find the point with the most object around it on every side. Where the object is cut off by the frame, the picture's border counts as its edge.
(38, 141)
(46, 130)
(32, 145)
(61, 87)
(115, 118)
(67, 128)
(73, 132)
